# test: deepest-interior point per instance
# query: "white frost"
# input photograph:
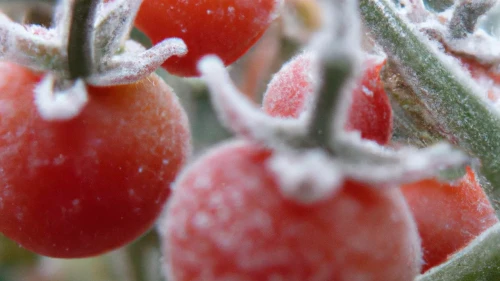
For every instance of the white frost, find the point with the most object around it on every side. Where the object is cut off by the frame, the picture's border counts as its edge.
(307, 176)
(113, 25)
(135, 64)
(54, 104)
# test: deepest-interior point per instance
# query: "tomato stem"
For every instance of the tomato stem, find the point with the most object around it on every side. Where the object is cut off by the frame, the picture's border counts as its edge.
(80, 44)
(335, 73)
(466, 15)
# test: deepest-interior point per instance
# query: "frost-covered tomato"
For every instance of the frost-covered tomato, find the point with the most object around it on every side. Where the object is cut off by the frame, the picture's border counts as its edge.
(94, 183)
(448, 215)
(226, 28)
(289, 93)
(228, 220)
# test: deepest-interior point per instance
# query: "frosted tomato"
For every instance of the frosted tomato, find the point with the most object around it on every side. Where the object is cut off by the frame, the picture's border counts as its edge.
(96, 182)
(228, 220)
(448, 215)
(226, 28)
(291, 89)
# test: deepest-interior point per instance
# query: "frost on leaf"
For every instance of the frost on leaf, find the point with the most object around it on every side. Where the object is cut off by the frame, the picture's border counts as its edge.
(60, 104)
(479, 45)
(113, 26)
(239, 114)
(367, 161)
(136, 62)
(62, 19)
(340, 35)
(32, 46)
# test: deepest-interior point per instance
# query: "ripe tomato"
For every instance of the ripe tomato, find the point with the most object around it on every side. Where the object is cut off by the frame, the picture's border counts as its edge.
(228, 220)
(226, 28)
(291, 89)
(448, 215)
(94, 183)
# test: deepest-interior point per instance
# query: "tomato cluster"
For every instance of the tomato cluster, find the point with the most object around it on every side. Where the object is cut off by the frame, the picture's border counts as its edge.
(89, 184)
(233, 205)
(448, 215)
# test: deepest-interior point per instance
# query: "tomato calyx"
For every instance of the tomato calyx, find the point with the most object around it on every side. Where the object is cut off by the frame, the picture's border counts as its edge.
(95, 50)
(59, 99)
(317, 136)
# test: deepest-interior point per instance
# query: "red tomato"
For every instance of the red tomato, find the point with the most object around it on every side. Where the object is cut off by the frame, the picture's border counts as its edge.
(448, 215)
(94, 183)
(290, 90)
(226, 28)
(228, 220)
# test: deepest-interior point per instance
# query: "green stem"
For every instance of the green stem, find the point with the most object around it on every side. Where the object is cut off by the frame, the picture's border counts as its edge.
(479, 261)
(335, 74)
(80, 43)
(468, 119)
(466, 15)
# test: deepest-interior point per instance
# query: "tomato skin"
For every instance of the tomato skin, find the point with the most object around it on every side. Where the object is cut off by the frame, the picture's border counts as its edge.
(85, 186)
(448, 216)
(227, 220)
(291, 89)
(226, 28)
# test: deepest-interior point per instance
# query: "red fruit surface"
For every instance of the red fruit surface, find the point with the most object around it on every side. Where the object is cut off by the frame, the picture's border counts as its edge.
(448, 215)
(94, 183)
(291, 89)
(228, 220)
(226, 28)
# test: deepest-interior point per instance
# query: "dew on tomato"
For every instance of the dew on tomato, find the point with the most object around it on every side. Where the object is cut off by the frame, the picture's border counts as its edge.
(290, 92)
(228, 220)
(226, 28)
(86, 186)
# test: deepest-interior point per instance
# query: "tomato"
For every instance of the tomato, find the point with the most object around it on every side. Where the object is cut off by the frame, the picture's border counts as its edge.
(228, 220)
(289, 94)
(227, 28)
(85, 186)
(448, 215)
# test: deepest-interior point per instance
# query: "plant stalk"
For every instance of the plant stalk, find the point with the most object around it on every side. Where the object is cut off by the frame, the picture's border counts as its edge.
(335, 74)
(80, 44)
(466, 15)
